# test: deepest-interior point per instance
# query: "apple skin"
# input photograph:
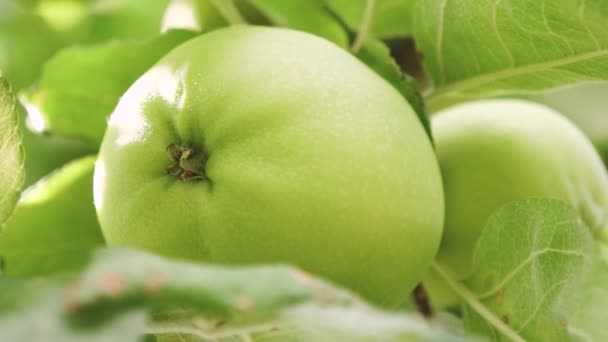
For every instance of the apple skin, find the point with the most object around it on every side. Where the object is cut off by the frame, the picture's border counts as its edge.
(493, 152)
(313, 159)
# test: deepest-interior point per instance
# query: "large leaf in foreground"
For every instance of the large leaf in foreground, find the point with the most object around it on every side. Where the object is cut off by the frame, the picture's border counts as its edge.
(477, 48)
(11, 153)
(191, 302)
(32, 311)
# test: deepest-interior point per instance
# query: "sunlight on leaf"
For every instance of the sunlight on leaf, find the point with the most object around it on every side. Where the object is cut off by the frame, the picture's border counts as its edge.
(486, 48)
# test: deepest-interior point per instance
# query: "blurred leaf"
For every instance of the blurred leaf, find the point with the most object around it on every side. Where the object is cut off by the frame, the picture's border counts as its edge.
(81, 85)
(377, 56)
(529, 264)
(249, 12)
(192, 302)
(11, 153)
(588, 320)
(257, 302)
(54, 226)
(303, 15)
(46, 152)
(476, 49)
(34, 313)
(26, 42)
(120, 278)
(96, 21)
(391, 18)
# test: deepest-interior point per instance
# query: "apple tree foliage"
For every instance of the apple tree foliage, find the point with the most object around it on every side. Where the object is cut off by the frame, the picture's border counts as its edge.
(538, 272)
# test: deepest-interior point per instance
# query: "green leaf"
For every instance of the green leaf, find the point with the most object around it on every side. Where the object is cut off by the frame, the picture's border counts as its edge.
(81, 85)
(11, 153)
(54, 226)
(377, 56)
(96, 21)
(183, 301)
(588, 320)
(303, 15)
(120, 278)
(26, 42)
(33, 311)
(529, 264)
(476, 49)
(221, 302)
(390, 19)
(46, 152)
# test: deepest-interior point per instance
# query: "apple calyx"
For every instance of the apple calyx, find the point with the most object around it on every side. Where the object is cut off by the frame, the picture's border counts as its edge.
(188, 164)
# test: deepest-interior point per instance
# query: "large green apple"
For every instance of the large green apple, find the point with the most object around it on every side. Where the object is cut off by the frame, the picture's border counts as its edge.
(253, 144)
(496, 151)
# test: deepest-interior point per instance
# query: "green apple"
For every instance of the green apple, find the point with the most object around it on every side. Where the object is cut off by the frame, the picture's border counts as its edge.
(252, 145)
(497, 151)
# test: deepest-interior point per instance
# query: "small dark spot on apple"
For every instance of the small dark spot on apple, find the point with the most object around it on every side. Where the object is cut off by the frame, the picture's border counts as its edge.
(505, 318)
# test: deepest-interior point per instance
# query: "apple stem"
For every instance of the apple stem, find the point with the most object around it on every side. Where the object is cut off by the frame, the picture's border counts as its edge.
(422, 301)
(188, 164)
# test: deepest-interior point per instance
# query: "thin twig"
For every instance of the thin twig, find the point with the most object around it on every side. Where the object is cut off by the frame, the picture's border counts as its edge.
(476, 305)
(421, 299)
(229, 11)
(365, 26)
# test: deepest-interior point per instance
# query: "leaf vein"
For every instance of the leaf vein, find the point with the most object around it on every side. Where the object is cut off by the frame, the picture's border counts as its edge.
(525, 263)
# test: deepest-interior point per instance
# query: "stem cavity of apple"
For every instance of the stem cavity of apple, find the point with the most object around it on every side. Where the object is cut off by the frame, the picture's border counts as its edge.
(188, 163)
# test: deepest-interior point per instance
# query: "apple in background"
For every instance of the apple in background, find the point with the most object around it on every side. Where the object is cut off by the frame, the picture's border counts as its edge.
(255, 145)
(493, 152)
